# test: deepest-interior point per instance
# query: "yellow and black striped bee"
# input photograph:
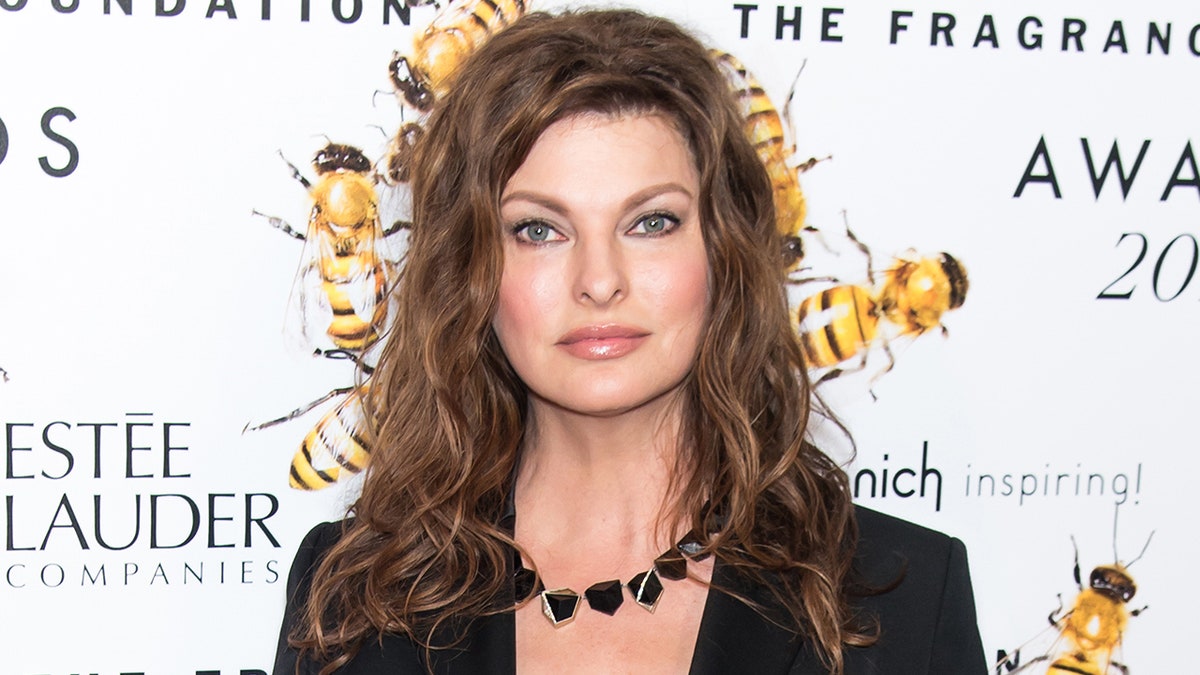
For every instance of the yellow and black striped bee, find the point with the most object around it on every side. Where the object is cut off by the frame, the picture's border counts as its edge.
(457, 30)
(845, 321)
(1089, 634)
(343, 282)
(342, 288)
(335, 444)
(769, 130)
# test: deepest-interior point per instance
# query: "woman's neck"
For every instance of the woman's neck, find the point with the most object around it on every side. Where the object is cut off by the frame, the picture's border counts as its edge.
(599, 485)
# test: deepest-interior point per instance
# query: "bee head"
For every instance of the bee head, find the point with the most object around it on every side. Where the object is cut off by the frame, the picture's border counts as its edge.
(1113, 581)
(411, 83)
(339, 157)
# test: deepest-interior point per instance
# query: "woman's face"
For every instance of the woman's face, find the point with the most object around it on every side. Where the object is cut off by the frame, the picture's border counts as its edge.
(605, 284)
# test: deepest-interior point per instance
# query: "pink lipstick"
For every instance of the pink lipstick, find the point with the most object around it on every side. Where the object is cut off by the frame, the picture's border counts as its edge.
(608, 341)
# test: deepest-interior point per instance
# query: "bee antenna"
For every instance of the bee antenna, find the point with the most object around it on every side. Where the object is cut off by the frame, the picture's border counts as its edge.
(1116, 514)
(381, 129)
(1144, 547)
(375, 95)
(860, 246)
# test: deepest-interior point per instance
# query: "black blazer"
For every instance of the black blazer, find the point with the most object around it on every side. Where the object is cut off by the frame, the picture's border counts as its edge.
(927, 622)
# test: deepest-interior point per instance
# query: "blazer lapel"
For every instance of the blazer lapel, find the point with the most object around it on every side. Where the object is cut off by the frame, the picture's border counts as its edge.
(735, 638)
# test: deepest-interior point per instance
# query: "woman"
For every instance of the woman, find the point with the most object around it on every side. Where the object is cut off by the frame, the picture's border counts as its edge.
(591, 362)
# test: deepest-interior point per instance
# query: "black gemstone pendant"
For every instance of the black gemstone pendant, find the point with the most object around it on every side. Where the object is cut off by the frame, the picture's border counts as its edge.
(671, 565)
(691, 547)
(605, 596)
(647, 589)
(560, 606)
(526, 583)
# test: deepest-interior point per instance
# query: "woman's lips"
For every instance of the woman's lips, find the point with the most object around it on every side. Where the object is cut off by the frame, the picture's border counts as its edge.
(602, 342)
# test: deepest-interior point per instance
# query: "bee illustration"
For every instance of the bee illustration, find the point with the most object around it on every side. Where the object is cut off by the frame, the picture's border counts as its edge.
(342, 287)
(839, 323)
(1089, 634)
(457, 30)
(769, 130)
(345, 277)
(335, 444)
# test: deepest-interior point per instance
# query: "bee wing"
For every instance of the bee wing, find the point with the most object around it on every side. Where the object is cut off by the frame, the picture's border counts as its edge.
(334, 447)
(741, 81)
(308, 311)
(395, 219)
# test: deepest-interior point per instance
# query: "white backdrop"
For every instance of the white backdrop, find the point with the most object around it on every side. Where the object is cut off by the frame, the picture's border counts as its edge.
(142, 305)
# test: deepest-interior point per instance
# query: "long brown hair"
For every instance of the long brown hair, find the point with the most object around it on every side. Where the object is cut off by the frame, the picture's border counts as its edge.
(426, 548)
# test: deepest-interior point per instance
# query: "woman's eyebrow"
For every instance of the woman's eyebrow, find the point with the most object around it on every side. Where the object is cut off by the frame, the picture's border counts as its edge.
(650, 192)
(640, 197)
(542, 200)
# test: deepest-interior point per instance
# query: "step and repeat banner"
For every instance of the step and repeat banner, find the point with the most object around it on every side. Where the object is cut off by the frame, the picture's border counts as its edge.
(156, 344)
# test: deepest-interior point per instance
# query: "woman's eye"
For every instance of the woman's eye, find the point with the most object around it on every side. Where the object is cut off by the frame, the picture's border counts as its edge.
(655, 223)
(536, 232)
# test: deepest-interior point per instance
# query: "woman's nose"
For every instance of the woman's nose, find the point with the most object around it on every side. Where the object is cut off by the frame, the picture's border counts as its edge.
(600, 276)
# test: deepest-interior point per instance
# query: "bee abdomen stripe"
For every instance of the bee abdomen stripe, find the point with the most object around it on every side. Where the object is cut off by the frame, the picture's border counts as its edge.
(296, 481)
(308, 481)
(954, 273)
(810, 350)
(862, 332)
(327, 477)
(830, 333)
(1069, 669)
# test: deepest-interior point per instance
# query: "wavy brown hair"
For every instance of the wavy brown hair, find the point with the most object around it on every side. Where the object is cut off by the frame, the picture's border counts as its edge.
(426, 549)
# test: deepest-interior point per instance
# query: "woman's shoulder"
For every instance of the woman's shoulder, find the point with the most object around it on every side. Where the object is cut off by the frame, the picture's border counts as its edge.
(322, 536)
(881, 535)
(922, 598)
(312, 549)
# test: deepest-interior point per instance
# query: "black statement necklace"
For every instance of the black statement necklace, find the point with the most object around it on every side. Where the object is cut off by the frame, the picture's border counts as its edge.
(561, 605)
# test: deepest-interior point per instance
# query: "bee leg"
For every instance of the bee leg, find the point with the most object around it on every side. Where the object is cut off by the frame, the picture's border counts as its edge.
(337, 354)
(891, 363)
(1119, 666)
(800, 281)
(3, 375)
(809, 163)
(791, 127)
(279, 224)
(1016, 666)
(299, 411)
(346, 354)
(295, 172)
(397, 226)
(838, 372)
(861, 246)
(1055, 613)
(816, 233)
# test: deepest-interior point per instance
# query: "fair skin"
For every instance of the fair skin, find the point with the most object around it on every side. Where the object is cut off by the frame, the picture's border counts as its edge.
(601, 306)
